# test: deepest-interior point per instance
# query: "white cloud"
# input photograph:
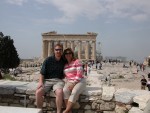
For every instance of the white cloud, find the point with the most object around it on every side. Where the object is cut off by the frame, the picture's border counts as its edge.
(43, 1)
(138, 10)
(73, 9)
(139, 17)
(16, 2)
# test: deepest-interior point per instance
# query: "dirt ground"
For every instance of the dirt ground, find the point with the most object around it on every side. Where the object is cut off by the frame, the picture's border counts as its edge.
(133, 83)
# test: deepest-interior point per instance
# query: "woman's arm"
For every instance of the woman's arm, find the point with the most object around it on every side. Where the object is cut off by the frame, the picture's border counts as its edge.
(79, 69)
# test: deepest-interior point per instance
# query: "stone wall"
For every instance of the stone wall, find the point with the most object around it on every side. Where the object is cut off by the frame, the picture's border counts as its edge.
(102, 99)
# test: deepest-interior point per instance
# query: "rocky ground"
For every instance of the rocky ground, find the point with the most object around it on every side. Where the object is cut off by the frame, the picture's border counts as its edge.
(120, 77)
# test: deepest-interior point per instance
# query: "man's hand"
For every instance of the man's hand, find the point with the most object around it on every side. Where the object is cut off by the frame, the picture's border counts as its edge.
(40, 84)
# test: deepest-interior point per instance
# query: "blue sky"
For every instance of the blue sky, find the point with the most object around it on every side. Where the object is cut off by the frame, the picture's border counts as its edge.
(123, 26)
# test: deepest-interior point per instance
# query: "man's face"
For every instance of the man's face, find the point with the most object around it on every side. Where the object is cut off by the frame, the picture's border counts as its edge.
(58, 51)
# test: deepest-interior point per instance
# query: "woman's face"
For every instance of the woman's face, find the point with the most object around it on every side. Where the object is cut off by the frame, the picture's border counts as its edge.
(68, 55)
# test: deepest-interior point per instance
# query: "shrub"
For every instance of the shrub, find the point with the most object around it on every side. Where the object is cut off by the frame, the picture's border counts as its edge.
(8, 77)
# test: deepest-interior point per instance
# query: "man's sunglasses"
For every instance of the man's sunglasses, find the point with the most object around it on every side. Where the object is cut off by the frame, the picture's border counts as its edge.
(58, 49)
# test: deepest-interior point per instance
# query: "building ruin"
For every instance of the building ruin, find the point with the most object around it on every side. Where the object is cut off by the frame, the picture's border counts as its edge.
(83, 45)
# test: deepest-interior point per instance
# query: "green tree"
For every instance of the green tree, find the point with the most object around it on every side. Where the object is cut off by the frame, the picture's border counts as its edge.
(8, 54)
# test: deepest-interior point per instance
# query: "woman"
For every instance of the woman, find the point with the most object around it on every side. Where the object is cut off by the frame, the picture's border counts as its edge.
(75, 81)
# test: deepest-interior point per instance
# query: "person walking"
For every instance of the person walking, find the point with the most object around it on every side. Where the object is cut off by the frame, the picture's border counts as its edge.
(143, 82)
(51, 77)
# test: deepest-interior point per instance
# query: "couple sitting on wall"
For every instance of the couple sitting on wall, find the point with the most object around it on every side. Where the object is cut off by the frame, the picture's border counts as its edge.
(54, 70)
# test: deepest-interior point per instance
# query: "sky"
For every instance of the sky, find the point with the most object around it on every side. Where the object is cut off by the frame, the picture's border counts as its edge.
(123, 26)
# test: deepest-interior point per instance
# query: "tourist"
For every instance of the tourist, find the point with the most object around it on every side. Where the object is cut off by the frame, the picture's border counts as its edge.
(143, 82)
(130, 63)
(89, 69)
(51, 78)
(100, 66)
(75, 82)
(108, 80)
(148, 84)
(143, 67)
(96, 66)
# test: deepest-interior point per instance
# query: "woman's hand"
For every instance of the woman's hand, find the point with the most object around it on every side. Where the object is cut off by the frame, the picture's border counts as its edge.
(40, 85)
(71, 86)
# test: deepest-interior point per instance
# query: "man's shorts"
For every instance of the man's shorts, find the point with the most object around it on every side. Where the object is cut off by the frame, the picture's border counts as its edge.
(53, 84)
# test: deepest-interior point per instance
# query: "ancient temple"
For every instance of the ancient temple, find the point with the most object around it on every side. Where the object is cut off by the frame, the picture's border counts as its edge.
(83, 45)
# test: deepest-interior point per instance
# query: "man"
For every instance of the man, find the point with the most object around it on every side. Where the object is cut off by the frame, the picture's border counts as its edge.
(108, 80)
(143, 82)
(51, 77)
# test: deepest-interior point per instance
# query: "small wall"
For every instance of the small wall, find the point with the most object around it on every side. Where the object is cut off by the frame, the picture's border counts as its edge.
(93, 100)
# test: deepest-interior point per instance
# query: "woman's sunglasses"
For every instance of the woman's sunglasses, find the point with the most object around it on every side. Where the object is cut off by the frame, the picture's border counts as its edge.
(68, 53)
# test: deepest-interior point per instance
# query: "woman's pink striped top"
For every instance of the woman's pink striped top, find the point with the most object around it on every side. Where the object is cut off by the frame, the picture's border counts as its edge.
(74, 71)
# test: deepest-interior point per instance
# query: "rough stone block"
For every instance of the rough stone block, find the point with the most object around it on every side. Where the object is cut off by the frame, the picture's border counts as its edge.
(135, 110)
(87, 107)
(107, 106)
(142, 100)
(6, 109)
(108, 93)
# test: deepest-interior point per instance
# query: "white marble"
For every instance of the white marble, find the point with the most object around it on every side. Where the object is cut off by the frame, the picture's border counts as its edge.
(7, 109)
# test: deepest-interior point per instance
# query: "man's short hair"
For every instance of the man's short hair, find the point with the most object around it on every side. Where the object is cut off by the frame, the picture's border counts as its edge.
(58, 44)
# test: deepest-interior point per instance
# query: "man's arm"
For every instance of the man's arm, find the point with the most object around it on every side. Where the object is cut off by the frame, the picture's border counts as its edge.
(41, 81)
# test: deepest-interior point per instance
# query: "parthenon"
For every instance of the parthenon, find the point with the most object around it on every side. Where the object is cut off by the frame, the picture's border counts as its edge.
(83, 45)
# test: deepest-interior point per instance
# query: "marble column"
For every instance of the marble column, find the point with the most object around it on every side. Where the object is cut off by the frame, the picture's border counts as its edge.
(87, 50)
(79, 50)
(64, 45)
(50, 48)
(45, 48)
(68, 44)
(94, 50)
(58, 42)
(72, 45)
(43, 52)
